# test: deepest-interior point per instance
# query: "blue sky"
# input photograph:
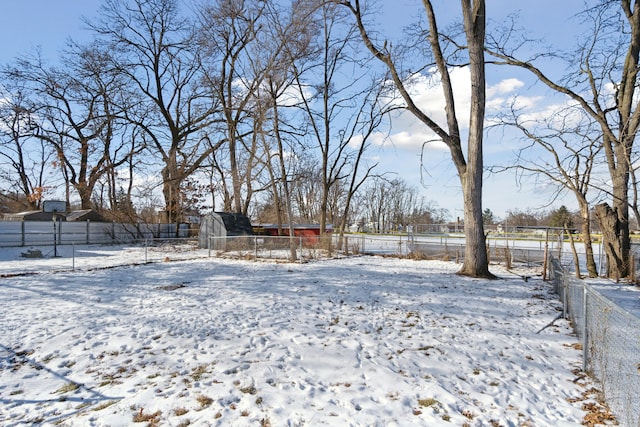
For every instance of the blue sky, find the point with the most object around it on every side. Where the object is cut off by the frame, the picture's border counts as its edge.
(27, 24)
(48, 23)
(552, 20)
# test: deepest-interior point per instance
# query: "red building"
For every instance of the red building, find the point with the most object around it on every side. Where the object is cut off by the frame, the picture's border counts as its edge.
(310, 233)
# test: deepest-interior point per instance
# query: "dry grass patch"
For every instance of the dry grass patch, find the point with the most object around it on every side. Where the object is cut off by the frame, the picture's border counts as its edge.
(67, 388)
(178, 412)
(249, 390)
(198, 372)
(105, 405)
(152, 419)
(597, 414)
(468, 414)
(435, 405)
(204, 401)
(83, 405)
(575, 346)
(425, 403)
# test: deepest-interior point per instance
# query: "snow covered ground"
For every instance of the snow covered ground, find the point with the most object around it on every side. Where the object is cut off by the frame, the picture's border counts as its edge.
(362, 341)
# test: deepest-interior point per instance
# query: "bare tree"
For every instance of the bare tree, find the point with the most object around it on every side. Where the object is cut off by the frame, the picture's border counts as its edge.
(519, 218)
(238, 55)
(23, 158)
(74, 110)
(338, 117)
(304, 188)
(392, 204)
(291, 34)
(278, 137)
(607, 58)
(570, 151)
(330, 103)
(122, 178)
(368, 118)
(155, 48)
(469, 168)
(373, 200)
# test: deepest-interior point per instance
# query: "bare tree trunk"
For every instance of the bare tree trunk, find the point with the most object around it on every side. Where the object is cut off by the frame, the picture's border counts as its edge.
(283, 174)
(476, 262)
(612, 234)
(592, 269)
(576, 259)
(171, 180)
(277, 203)
(617, 239)
(236, 181)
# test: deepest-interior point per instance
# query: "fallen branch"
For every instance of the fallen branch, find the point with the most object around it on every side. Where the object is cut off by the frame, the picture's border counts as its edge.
(551, 323)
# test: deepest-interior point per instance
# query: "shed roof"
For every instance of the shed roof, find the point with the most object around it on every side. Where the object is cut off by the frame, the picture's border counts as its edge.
(84, 215)
(235, 224)
(33, 216)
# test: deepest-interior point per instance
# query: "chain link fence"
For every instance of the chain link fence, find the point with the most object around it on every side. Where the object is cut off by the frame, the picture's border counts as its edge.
(69, 257)
(73, 250)
(499, 251)
(314, 247)
(285, 248)
(610, 338)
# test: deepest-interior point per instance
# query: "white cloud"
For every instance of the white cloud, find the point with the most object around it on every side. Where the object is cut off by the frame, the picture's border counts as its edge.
(506, 86)
(292, 96)
(426, 90)
(412, 140)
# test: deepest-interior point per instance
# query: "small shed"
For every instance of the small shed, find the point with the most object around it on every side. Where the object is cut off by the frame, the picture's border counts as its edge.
(218, 226)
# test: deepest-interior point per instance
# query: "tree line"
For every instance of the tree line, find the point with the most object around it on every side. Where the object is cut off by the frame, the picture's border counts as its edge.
(271, 108)
(252, 106)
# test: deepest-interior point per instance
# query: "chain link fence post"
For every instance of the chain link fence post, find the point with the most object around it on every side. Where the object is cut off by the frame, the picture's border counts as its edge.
(585, 330)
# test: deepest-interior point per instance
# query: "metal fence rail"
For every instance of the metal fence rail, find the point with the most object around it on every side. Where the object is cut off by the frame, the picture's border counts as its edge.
(610, 339)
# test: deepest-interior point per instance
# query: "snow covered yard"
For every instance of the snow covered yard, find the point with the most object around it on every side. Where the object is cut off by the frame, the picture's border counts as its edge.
(364, 341)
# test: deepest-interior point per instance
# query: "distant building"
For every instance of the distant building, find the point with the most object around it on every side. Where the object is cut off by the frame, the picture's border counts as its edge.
(77, 216)
(310, 233)
(34, 216)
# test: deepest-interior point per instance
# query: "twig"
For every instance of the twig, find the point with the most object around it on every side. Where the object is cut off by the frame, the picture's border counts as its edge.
(550, 323)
